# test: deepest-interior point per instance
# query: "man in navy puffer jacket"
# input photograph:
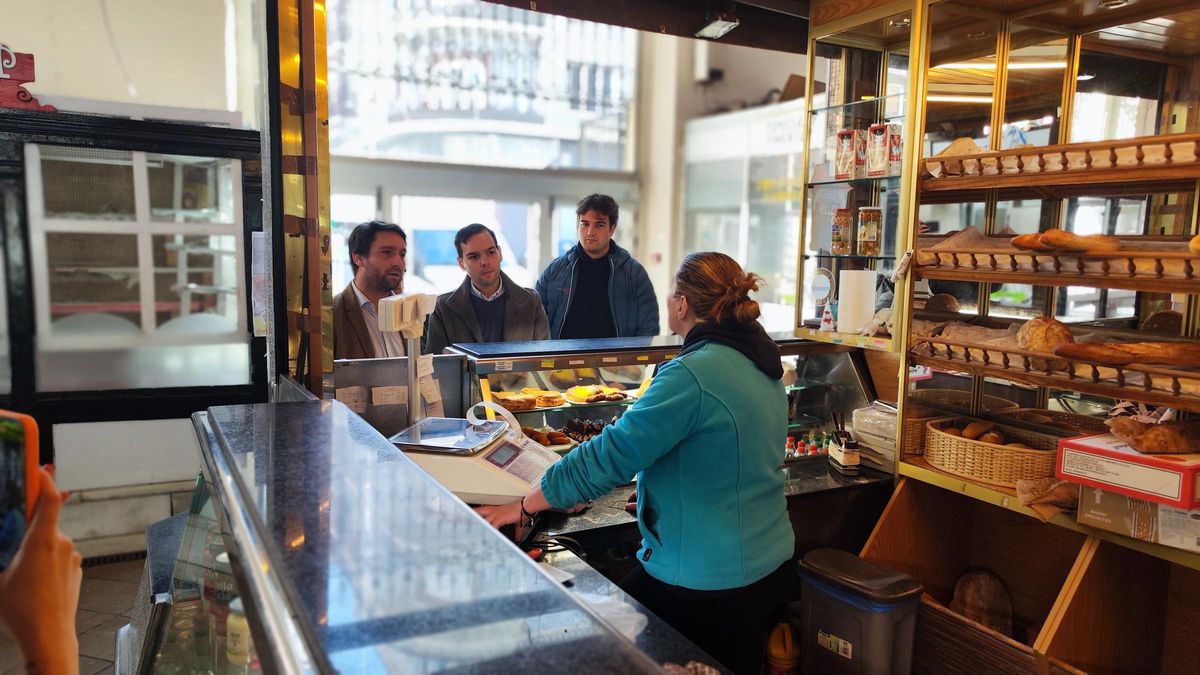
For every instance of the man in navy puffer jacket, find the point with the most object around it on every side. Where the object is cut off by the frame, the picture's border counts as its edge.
(597, 289)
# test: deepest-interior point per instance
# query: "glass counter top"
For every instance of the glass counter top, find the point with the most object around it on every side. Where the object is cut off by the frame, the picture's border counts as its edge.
(382, 569)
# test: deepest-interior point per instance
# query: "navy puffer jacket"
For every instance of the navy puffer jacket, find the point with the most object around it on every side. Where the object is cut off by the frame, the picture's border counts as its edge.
(630, 293)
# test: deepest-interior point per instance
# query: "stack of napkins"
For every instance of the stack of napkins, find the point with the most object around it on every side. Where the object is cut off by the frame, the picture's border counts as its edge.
(406, 313)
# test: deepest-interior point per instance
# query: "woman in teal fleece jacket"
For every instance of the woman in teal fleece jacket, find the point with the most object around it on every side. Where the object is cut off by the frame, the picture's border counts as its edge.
(705, 441)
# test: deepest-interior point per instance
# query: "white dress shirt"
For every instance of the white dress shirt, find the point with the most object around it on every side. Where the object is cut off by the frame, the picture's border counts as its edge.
(387, 343)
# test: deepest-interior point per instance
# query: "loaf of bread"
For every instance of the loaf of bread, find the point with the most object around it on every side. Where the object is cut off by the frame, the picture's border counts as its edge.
(1069, 241)
(976, 429)
(1124, 354)
(1166, 438)
(1030, 242)
(1163, 322)
(941, 302)
(1043, 334)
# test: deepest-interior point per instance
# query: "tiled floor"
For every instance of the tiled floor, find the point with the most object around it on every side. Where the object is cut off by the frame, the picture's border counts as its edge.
(104, 604)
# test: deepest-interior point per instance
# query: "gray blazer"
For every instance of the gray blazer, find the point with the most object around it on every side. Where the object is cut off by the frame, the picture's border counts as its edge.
(453, 318)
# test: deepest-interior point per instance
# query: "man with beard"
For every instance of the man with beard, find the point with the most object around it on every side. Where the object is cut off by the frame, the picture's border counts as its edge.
(377, 251)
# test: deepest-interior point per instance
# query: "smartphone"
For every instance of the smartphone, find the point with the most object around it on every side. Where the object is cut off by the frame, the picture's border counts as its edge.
(20, 481)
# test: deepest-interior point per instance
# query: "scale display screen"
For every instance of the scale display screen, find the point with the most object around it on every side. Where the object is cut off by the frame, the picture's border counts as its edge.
(502, 455)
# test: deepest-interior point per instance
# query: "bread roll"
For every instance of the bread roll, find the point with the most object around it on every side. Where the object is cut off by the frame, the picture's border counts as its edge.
(952, 431)
(1043, 334)
(1194, 244)
(976, 429)
(993, 437)
(1069, 241)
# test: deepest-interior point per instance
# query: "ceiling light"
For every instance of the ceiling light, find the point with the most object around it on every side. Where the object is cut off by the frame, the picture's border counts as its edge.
(718, 26)
(900, 23)
(979, 35)
(1084, 77)
(1113, 4)
(961, 98)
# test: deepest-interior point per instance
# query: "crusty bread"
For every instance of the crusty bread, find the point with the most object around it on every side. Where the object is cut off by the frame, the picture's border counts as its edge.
(1172, 437)
(1030, 242)
(1043, 334)
(941, 302)
(1123, 354)
(1069, 241)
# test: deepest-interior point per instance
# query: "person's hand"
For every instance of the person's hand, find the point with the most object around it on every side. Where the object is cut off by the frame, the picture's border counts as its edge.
(501, 514)
(39, 592)
(631, 502)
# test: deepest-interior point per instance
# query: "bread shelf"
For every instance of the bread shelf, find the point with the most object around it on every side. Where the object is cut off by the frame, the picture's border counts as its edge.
(1154, 164)
(847, 339)
(917, 468)
(1149, 384)
(1138, 269)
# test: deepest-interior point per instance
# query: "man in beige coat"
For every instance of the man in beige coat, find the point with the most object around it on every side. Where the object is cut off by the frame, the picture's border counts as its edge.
(488, 306)
(377, 254)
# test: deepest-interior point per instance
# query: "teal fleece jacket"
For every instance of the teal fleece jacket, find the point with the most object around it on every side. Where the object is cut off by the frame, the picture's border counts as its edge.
(705, 440)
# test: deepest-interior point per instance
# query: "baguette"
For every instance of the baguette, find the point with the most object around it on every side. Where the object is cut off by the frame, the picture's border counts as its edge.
(1030, 242)
(1061, 239)
(1124, 354)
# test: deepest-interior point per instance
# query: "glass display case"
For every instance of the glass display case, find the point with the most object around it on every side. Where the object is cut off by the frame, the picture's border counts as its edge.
(852, 225)
(576, 387)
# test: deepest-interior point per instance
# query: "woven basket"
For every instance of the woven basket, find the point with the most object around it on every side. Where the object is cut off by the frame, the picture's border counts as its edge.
(914, 432)
(958, 398)
(1073, 424)
(988, 463)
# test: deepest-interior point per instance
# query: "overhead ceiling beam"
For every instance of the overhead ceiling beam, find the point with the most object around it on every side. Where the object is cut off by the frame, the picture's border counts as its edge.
(797, 8)
(758, 27)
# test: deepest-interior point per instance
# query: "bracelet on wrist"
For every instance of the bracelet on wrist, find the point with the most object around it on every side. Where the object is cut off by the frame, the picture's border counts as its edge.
(525, 514)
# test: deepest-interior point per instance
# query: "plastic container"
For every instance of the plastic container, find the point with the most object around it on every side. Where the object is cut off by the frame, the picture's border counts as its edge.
(843, 234)
(783, 653)
(870, 226)
(855, 616)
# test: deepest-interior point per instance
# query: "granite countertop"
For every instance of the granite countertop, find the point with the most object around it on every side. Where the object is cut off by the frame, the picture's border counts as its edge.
(652, 635)
(381, 568)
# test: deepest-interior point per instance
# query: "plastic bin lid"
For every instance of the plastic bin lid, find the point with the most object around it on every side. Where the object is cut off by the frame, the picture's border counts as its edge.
(860, 577)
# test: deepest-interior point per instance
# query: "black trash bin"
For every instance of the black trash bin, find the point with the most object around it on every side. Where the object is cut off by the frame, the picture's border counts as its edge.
(856, 616)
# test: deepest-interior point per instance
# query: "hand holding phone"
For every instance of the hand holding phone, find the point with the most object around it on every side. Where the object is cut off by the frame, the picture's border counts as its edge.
(20, 482)
(39, 591)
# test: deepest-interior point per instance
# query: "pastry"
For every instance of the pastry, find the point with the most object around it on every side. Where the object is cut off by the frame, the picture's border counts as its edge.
(1167, 438)
(1123, 354)
(941, 302)
(1069, 241)
(1194, 244)
(514, 402)
(1043, 334)
(594, 394)
(993, 437)
(544, 398)
(583, 430)
(562, 378)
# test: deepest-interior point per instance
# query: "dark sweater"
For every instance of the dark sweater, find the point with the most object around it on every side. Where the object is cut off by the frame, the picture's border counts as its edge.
(590, 314)
(491, 317)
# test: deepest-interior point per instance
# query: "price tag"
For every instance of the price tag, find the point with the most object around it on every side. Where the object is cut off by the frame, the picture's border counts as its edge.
(547, 363)
(643, 359)
(609, 359)
(576, 362)
(504, 366)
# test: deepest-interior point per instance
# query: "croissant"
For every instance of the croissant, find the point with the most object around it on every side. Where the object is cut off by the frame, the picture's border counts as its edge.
(1166, 438)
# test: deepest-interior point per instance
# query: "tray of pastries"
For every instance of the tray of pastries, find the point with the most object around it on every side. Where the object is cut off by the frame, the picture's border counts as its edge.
(551, 438)
(528, 398)
(595, 393)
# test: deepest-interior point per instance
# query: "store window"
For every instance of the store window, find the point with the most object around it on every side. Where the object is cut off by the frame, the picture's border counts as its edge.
(138, 266)
(473, 82)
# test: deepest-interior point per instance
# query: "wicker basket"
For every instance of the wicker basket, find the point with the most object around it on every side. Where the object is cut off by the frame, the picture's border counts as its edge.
(1072, 424)
(988, 463)
(914, 432)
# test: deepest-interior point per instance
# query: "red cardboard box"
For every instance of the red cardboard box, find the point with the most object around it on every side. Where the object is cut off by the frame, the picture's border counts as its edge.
(1106, 462)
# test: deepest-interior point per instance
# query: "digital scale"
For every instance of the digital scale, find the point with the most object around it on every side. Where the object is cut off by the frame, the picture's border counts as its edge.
(476, 460)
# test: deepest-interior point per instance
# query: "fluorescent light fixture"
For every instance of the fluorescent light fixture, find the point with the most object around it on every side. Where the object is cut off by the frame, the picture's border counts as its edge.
(1012, 65)
(1113, 4)
(958, 99)
(1084, 77)
(718, 27)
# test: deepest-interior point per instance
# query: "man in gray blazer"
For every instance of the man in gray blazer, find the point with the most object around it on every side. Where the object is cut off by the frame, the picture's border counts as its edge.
(488, 306)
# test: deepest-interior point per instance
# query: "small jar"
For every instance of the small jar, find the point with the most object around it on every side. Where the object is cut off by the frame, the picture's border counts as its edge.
(842, 236)
(870, 222)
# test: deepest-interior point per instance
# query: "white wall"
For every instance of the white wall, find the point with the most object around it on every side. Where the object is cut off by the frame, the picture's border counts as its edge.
(174, 51)
(748, 74)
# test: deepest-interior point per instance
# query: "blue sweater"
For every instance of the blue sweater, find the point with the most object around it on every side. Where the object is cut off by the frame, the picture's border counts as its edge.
(705, 440)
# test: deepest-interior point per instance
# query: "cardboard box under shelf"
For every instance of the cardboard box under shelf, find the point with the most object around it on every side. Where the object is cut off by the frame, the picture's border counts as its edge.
(1106, 462)
(1140, 519)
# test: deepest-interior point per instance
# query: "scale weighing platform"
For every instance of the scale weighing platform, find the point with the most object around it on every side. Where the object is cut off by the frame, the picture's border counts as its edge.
(478, 461)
